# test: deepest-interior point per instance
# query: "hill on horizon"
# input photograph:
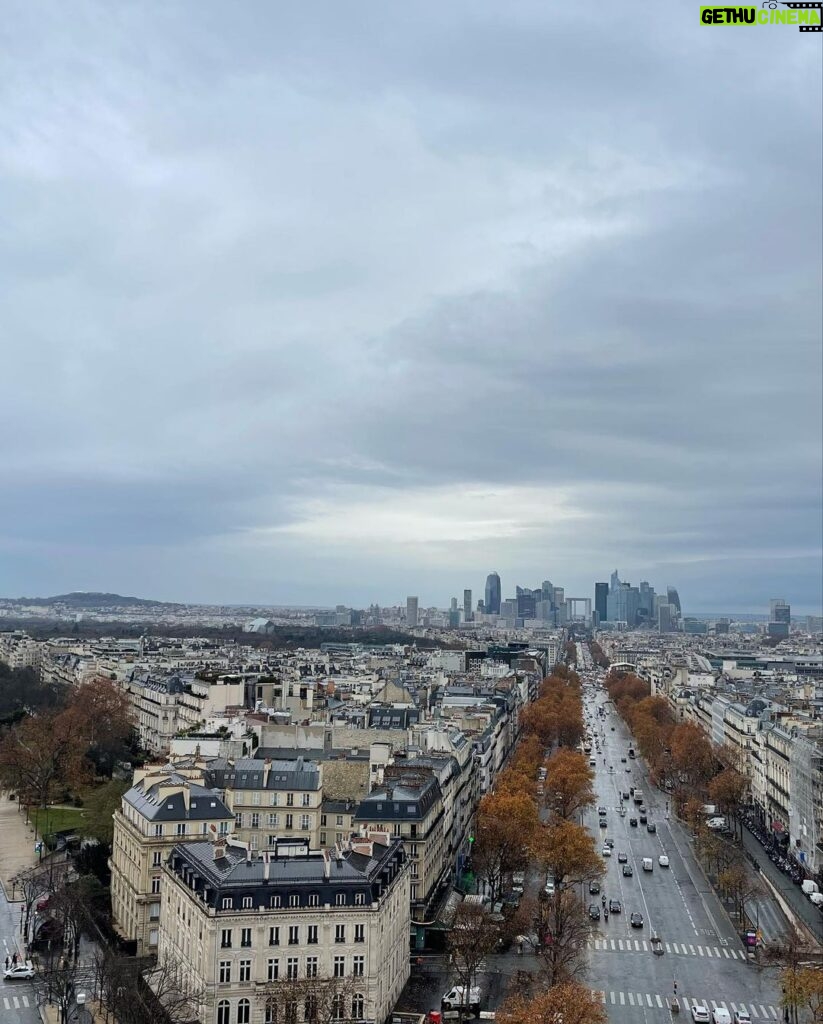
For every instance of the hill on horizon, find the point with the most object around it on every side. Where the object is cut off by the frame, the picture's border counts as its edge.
(90, 599)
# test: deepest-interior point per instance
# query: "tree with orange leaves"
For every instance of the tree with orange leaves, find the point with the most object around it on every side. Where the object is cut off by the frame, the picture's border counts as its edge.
(568, 786)
(569, 1002)
(505, 825)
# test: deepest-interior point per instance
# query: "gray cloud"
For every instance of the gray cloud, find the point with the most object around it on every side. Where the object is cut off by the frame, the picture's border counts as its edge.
(331, 306)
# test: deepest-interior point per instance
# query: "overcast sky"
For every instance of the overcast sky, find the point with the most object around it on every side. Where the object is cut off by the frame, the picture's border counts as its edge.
(342, 302)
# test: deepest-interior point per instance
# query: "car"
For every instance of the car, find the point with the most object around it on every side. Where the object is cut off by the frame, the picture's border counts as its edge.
(19, 970)
(742, 1017)
(594, 888)
(633, 822)
(663, 860)
(604, 823)
(592, 762)
(643, 819)
(628, 769)
(615, 907)
(622, 858)
(606, 851)
(457, 997)
(622, 760)
(602, 811)
(594, 912)
(636, 920)
(700, 1013)
(720, 1015)
(627, 870)
(651, 827)
(625, 794)
(631, 791)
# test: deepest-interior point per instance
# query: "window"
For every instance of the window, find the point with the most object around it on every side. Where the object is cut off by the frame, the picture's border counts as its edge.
(224, 828)
(294, 934)
(270, 1014)
(255, 820)
(289, 799)
(339, 967)
(359, 899)
(294, 900)
(338, 1011)
(245, 970)
(358, 966)
(223, 1012)
(339, 819)
(225, 938)
(272, 969)
(323, 820)
(243, 1011)
(289, 821)
(255, 797)
(311, 966)
(339, 933)
(273, 820)
(291, 968)
(181, 828)
(158, 830)
(155, 884)
(306, 800)
(227, 903)
(152, 936)
(359, 933)
(248, 902)
(273, 800)
(311, 1009)
(358, 1006)
(274, 936)
(340, 899)
(225, 972)
(314, 900)
(274, 902)
(238, 820)
(156, 859)
(305, 822)
(290, 1015)
(322, 838)
(312, 937)
(245, 936)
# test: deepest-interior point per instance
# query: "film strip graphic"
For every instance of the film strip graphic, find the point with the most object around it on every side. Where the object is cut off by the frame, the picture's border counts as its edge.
(818, 5)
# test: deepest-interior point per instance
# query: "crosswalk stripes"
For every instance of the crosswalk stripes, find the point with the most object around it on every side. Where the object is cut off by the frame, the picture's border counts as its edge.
(757, 1011)
(15, 1001)
(679, 948)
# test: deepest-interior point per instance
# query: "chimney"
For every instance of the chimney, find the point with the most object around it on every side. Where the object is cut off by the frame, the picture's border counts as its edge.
(219, 849)
(265, 856)
(326, 864)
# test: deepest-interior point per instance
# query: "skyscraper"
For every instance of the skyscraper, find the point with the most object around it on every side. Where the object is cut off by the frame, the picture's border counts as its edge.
(411, 611)
(492, 594)
(674, 598)
(601, 593)
(780, 617)
(467, 606)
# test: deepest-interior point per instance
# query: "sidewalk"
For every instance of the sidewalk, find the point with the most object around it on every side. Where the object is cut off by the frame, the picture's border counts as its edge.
(88, 1014)
(16, 842)
(791, 894)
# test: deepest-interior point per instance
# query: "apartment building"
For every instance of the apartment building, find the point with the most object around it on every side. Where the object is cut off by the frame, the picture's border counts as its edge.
(410, 806)
(18, 650)
(270, 799)
(249, 932)
(163, 806)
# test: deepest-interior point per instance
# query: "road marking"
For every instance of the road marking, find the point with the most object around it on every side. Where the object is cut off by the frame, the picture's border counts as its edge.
(622, 999)
(16, 1002)
(649, 999)
(25, 1000)
(6, 1003)
(692, 949)
(700, 951)
(659, 1000)
(611, 994)
(631, 999)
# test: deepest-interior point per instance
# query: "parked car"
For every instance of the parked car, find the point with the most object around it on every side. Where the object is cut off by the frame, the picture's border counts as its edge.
(700, 1013)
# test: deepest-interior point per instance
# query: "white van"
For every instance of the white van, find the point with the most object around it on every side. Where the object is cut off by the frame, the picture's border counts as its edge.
(455, 998)
(663, 860)
(808, 886)
(648, 864)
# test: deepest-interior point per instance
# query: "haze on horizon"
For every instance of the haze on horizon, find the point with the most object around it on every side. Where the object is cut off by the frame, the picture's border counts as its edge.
(343, 304)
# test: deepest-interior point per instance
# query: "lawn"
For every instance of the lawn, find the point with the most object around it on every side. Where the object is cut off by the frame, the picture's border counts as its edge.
(56, 819)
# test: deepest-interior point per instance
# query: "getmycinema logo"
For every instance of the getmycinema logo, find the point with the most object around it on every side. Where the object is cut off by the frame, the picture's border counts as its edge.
(805, 15)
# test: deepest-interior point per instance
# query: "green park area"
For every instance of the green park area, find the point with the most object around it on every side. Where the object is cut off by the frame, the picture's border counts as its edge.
(56, 819)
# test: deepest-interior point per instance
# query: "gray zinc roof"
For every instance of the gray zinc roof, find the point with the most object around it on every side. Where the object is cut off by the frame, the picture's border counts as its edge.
(204, 804)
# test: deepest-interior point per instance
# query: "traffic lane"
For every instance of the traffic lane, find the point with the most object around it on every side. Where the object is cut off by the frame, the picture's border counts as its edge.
(765, 915)
(18, 1002)
(790, 892)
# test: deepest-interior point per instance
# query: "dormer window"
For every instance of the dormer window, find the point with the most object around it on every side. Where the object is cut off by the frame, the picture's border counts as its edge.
(228, 903)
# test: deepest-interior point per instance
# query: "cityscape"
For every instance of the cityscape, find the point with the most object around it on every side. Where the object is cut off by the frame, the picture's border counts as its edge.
(411, 520)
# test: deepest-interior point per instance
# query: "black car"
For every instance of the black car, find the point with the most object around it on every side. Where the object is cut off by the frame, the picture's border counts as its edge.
(604, 823)
(622, 760)
(627, 870)
(633, 822)
(594, 912)
(622, 858)
(609, 843)
(615, 906)
(594, 888)
(643, 819)
(625, 794)
(636, 920)
(651, 827)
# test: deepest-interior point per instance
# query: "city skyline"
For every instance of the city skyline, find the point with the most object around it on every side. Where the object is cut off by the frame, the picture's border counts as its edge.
(307, 306)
